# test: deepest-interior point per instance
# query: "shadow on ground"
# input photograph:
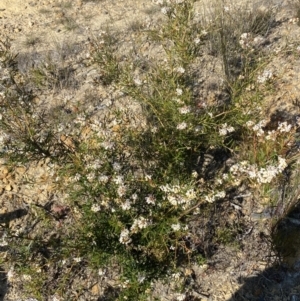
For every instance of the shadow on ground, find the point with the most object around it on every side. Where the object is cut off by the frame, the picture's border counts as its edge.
(3, 284)
(5, 218)
(275, 283)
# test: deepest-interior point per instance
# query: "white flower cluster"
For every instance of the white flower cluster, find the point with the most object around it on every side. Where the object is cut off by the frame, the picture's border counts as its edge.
(107, 145)
(185, 110)
(257, 128)
(225, 129)
(265, 76)
(3, 242)
(214, 197)
(177, 195)
(179, 92)
(283, 127)
(4, 138)
(179, 69)
(125, 237)
(247, 41)
(126, 205)
(150, 199)
(180, 297)
(91, 176)
(121, 190)
(103, 179)
(140, 223)
(176, 227)
(80, 119)
(262, 175)
(95, 208)
(181, 126)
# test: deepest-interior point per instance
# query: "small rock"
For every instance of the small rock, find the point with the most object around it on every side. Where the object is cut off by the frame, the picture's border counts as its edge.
(3, 172)
(95, 289)
(8, 187)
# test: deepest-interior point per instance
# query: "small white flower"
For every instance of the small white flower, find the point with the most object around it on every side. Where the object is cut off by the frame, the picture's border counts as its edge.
(101, 272)
(124, 237)
(267, 75)
(10, 274)
(150, 199)
(222, 132)
(282, 163)
(139, 223)
(154, 129)
(137, 81)
(172, 199)
(179, 92)
(271, 135)
(26, 277)
(284, 127)
(180, 70)
(143, 223)
(198, 128)
(118, 180)
(249, 123)
(77, 259)
(141, 278)
(91, 176)
(165, 10)
(103, 179)
(107, 145)
(60, 127)
(116, 166)
(209, 199)
(3, 243)
(204, 32)
(180, 297)
(175, 227)
(190, 194)
(220, 195)
(293, 20)
(226, 129)
(195, 174)
(121, 190)
(225, 176)
(181, 126)
(126, 205)
(197, 41)
(134, 197)
(95, 208)
(245, 40)
(185, 110)
(258, 40)
(176, 276)
(148, 177)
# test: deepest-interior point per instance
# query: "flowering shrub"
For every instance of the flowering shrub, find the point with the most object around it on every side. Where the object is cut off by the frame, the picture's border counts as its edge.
(134, 187)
